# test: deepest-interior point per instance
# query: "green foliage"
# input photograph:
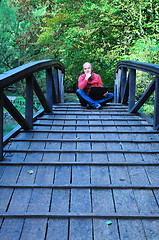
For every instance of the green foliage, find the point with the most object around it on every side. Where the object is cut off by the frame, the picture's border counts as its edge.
(144, 50)
(99, 31)
(70, 97)
(102, 32)
(8, 31)
(18, 31)
(8, 127)
(148, 109)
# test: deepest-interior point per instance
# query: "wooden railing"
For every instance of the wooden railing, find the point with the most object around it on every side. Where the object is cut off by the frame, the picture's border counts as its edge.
(125, 87)
(54, 92)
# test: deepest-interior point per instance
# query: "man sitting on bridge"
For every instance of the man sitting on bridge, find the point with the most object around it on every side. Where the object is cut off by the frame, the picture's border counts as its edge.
(85, 82)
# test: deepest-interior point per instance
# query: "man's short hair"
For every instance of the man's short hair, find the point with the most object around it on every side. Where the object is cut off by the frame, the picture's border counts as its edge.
(89, 63)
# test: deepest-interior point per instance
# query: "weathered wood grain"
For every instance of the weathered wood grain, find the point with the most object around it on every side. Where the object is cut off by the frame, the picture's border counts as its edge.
(117, 143)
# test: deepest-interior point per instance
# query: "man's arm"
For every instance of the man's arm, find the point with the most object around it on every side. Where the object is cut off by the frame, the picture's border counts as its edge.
(100, 84)
(82, 81)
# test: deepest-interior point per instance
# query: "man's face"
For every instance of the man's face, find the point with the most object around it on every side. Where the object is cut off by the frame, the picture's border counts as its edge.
(87, 68)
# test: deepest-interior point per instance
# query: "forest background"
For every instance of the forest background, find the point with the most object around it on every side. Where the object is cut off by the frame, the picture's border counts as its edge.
(102, 32)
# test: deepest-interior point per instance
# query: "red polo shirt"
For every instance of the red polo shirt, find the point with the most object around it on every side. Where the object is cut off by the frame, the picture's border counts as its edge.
(85, 85)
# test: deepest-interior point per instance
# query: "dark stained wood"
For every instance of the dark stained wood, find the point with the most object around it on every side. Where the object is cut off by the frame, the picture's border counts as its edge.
(61, 85)
(15, 113)
(1, 125)
(49, 87)
(26, 71)
(123, 81)
(71, 175)
(16, 74)
(47, 150)
(29, 100)
(122, 86)
(145, 67)
(145, 96)
(55, 86)
(41, 96)
(132, 84)
(83, 119)
(156, 107)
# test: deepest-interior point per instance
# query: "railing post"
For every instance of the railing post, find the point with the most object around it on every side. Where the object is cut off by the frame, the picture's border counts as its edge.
(115, 91)
(49, 87)
(55, 86)
(123, 80)
(1, 125)
(132, 85)
(41, 95)
(156, 107)
(61, 86)
(56, 82)
(29, 100)
(117, 86)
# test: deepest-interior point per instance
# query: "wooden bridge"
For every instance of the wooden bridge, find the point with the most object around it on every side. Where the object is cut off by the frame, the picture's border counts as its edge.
(75, 173)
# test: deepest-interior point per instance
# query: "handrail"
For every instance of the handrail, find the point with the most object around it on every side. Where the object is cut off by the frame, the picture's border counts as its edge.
(125, 83)
(54, 92)
(145, 67)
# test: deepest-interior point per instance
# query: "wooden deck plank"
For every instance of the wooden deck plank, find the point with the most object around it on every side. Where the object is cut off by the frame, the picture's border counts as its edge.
(10, 174)
(34, 229)
(103, 231)
(45, 175)
(25, 177)
(80, 203)
(144, 199)
(125, 202)
(5, 195)
(80, 229)
(37, 145)
(66, 157)
(84, 157)
(151, 229)
(132, 229)
(24, 197)
(99, 157)
(18, 156)
(124, 198)
(79, 125)
(39, 199)
(11, 228)
(57, 229)
(51, 157)
(36, 156)
(17, 201)
(60, 203)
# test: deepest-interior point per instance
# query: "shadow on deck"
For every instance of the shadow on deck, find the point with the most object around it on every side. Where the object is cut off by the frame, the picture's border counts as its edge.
(82, 174)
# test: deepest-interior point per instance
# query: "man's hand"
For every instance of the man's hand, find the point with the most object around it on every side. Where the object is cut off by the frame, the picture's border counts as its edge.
(105, 94)
(88, 75)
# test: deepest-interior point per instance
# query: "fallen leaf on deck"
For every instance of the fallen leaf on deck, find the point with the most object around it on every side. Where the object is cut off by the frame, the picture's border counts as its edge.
(122, 179)
(77, 137)
(109, 222)
(30, 172)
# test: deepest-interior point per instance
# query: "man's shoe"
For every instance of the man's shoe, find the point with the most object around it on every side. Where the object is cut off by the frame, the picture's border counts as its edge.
(98, 106)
